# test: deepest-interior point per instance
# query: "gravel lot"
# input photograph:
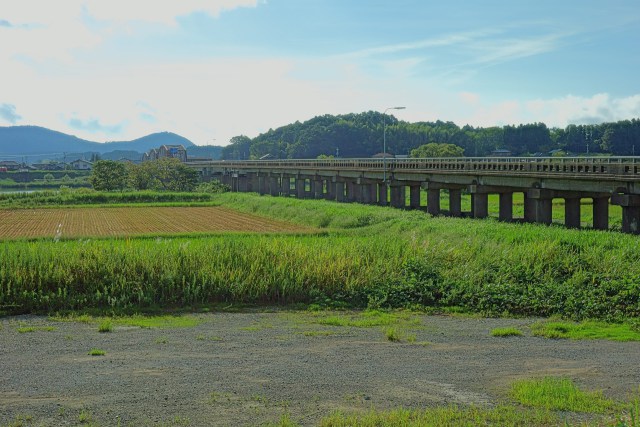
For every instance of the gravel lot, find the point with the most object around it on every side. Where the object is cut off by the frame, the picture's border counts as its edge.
(250, 368)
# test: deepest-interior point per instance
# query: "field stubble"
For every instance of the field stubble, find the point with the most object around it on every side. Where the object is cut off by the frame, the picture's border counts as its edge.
(128, 221)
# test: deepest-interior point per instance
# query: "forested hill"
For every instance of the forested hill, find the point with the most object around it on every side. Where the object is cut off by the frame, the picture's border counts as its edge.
(361, 135)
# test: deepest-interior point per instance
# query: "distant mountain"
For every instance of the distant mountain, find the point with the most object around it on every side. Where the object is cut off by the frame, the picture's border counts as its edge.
(38, 143)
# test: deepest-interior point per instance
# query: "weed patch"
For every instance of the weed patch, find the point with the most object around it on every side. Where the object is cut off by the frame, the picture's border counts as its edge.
(559, 394)
(586, 330)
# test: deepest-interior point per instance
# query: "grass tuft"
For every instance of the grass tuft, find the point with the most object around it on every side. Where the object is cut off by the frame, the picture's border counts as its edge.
(96, 352)
(506, 332)
(105, 326)
(586, 330)
(559, 394)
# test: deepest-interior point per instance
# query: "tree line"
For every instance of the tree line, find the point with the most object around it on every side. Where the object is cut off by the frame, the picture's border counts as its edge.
(361, 135)
(166, 174)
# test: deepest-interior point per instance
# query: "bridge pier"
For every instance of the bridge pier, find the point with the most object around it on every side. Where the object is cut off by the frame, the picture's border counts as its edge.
(455, 202)
(285, 185)
(433, 199)
(479, 201)
(242, 183)
(572, 212)
(318, 188)
(398, 194)
(630, 211)
(274, 185)
(301, 184)
(601, 213)
(264, 184)
(506, 206)
(414, 195)
(331, 190)
(366, 193)
(254, 183)
(383, 194)
(340, 187)
(529, 208)
(542, 202)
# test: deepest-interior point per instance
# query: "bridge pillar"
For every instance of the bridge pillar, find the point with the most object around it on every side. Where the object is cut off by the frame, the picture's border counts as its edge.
(601, 213)
(414, 196)
(274, 185)
(243, 183)
(285, 185)
(373, 191)
(254, 183)
(383, 194)
(318, 188)
(479, 201)
(301, 183)
(331, 190)
(529, 208)
(480, 205)
(365, 193)
(398, 195)
(433, 200)
(572, 212)
(340, 191)
(264, 185)
(506, 207)
(352, 190)
(630, 211)
(542, 201)
(455, 202)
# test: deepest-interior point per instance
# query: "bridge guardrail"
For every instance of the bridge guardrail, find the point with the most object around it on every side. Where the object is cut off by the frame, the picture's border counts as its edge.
(611, 166)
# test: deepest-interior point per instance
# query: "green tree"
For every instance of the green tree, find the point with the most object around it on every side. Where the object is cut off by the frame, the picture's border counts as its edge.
(239, 148)
(168, 174)
(108, 175)
(434, 149)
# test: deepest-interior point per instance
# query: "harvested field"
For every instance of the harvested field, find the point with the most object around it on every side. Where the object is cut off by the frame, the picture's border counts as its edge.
(127, 221)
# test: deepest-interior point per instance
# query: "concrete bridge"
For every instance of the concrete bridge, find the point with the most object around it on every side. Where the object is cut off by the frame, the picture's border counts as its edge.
(605, 180)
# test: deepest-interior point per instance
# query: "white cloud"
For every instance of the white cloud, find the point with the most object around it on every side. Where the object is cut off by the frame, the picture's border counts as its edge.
(555, 112)
(163, 12)
(45, 30)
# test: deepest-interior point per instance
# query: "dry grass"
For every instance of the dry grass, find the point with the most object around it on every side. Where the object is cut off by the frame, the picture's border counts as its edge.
(127, 221)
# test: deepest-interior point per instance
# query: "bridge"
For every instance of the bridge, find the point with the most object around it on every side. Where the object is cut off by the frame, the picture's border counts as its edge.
(605, 180)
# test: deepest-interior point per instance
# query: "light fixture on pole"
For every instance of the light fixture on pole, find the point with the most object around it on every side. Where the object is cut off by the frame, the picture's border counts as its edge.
(384, 141)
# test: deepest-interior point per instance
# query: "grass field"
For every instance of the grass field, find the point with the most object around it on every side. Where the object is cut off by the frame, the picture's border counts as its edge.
(131, 221)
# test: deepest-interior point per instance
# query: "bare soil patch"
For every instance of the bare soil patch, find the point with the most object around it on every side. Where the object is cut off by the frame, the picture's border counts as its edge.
(250, 368)
(130, 221)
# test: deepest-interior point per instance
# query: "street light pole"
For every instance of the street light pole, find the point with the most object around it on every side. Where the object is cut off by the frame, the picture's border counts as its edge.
(384, 141)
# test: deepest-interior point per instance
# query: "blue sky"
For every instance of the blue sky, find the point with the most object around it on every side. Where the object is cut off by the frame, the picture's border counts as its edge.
(213, 69)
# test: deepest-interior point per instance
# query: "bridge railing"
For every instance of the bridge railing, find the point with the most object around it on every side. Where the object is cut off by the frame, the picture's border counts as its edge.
(617, 166)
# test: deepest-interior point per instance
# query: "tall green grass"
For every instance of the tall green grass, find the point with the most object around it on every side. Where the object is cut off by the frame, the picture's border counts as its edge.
(84, 196)
(369, 256)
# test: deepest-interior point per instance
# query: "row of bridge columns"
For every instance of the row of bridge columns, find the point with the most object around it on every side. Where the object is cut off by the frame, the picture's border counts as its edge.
(538, 203)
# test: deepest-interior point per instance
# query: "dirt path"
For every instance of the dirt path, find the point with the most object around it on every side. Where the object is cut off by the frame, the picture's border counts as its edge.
(250, 368)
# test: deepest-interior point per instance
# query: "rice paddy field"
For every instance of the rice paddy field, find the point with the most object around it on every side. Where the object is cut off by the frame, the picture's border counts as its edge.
(132, 221)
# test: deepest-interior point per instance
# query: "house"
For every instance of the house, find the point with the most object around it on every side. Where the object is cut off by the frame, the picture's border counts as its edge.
(10, 165)
(166, 151)
(52, 166)
(81, 164)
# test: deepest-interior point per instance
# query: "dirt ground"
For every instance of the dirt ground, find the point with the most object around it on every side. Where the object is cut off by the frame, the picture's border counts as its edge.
(250, 368)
